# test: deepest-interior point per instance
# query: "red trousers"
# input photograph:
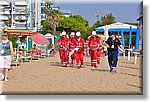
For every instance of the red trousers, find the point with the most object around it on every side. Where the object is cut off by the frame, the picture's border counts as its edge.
(60, 54)
(98, 56)
(64, 55)
(72, 58)
(93, 54)
(79, 58)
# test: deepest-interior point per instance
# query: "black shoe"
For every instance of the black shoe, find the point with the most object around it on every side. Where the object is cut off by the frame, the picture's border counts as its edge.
(111, 69)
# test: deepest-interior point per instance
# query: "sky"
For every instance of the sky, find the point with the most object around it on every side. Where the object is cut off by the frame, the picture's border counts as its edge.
(123, 11)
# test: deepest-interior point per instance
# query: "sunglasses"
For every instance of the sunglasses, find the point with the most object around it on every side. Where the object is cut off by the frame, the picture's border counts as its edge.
(5, 35)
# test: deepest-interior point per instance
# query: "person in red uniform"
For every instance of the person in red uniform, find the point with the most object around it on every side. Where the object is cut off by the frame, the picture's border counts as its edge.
(85, 47)
(60, 48)
(72, 46)
(93, 43)
(63, 44)
(99, 49)
(79, 50)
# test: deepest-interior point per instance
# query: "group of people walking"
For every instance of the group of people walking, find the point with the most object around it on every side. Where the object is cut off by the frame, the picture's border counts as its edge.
(75, 46)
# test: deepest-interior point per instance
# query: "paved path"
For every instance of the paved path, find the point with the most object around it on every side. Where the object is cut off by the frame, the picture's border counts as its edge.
(46, 76)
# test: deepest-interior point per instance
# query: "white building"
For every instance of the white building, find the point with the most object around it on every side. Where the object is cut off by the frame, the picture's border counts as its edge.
(26, 14)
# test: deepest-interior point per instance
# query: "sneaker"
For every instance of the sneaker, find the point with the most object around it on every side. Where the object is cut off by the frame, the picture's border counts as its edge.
(2, 76)
(94, 67)
(111, 69)
(78, 67)
(114, 70)
(5, 79)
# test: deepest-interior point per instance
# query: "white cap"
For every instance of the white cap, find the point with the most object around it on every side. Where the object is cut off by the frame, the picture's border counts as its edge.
(78, 34)
(63, 33)
(72, 33)
(93, 32)
(60, 34)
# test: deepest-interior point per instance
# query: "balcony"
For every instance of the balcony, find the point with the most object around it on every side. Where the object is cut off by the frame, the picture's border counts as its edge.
(18, 18)
(3, 18)
(21, 3)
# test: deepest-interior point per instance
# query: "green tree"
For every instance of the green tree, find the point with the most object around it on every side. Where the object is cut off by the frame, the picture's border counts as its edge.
(13, 39)
(54, 21)
(108, 19)
(74, 23)
(96, 24)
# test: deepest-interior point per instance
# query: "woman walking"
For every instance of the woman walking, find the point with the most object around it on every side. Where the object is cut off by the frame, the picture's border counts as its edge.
(6, 54)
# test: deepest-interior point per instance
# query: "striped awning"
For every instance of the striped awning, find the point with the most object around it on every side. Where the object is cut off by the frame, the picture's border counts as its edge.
(20, 33)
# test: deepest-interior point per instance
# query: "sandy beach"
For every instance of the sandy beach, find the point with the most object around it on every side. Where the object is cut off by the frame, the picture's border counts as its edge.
(46, 76)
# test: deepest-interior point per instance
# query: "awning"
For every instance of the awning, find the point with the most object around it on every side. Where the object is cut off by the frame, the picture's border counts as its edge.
(117, 27)
(20, 33)
(39, 39)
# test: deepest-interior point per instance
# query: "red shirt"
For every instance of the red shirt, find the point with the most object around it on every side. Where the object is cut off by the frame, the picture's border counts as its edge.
(93, 43)
(80, 44)
(72, 43)
(63, 42)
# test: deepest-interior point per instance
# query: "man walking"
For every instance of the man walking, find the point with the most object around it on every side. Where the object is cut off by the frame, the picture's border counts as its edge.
(79, 50)
(112, 44)
(93, 43)
(72, 46)
(63, 44)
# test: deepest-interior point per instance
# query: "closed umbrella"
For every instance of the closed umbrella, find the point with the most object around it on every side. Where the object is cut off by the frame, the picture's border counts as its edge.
(137, 38)
(39, 39)
(130, 36)
(122, 37)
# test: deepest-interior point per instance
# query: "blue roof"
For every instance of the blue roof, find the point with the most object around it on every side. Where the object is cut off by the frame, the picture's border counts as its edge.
(116, 29)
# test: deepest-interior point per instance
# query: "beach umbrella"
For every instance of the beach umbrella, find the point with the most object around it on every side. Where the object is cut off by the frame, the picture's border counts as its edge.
(122, 38)
(39, 39)
(137, 38)
(130, 36)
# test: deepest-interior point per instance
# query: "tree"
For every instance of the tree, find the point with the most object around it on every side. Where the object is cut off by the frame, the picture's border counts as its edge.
(96, 24)
(53, 21)
(74, 23)
(13, 39)
(108, 19)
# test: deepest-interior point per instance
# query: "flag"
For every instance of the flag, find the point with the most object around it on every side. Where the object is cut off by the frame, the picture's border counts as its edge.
(11, 8)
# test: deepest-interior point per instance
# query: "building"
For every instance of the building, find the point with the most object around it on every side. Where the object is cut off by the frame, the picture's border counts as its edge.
(140, 19)
(23, 14)
(66, 13)
(13, 14)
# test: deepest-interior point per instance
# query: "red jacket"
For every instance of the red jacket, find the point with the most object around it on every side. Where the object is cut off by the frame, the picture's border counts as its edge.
(80, 44)
(93, 43)
(63, 42)
(85, 46)
(72, 43)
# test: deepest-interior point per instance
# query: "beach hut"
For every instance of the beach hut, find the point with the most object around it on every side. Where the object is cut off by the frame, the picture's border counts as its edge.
(50, 38)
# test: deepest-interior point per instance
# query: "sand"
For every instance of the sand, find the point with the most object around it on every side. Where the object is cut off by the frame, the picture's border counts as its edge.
(46, 76)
